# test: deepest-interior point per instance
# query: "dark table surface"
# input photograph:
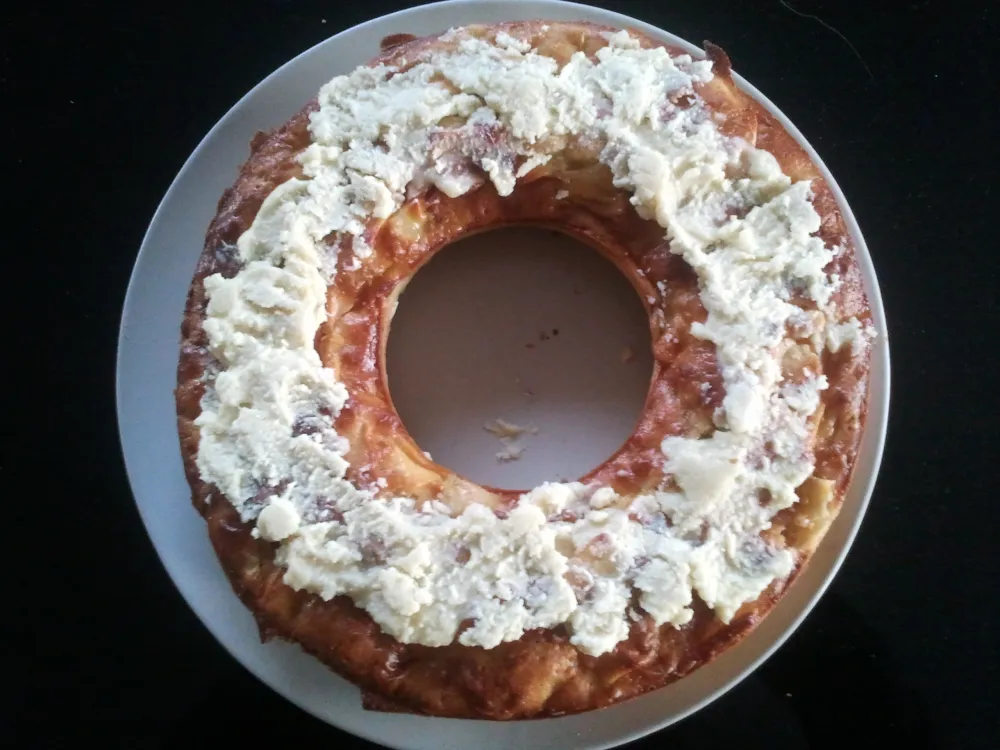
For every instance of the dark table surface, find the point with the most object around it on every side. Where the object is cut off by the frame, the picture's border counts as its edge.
(102, 106)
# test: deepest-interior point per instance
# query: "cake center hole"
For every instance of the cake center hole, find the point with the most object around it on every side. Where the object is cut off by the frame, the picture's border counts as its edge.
(519, 356)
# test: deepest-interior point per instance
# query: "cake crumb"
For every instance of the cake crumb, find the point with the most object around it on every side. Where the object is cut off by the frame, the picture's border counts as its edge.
(627, 354)
(510, 452)
(502, 428)
(509, 434)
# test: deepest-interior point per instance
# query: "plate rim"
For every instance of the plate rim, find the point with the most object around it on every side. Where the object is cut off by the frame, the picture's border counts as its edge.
(876, 424)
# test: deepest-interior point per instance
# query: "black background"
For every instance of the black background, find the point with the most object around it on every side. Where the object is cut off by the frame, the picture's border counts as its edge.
(100, 108)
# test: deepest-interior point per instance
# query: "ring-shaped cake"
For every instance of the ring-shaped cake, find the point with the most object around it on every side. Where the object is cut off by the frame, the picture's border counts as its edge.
(434, 594)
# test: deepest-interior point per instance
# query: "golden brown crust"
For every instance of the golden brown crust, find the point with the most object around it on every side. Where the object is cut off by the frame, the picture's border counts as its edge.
(541, 674)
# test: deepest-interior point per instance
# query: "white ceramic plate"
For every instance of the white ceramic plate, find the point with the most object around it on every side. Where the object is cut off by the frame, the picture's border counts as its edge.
(147, 358)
